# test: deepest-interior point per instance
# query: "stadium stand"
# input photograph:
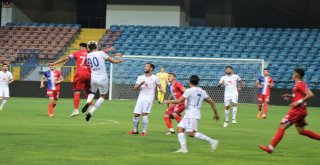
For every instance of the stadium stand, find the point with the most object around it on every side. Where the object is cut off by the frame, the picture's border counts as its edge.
(21, 41)
(283, 49)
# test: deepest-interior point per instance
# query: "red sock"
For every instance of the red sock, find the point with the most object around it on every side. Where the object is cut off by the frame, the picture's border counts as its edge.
(50, 108)
(178, 118)
(265, 109)
(168, 121)
(311, 134)
(277, 137)
(76, 100)
(259, 106)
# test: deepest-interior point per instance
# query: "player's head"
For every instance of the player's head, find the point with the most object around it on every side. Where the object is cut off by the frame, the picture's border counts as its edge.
(148, 68)
(229, 69)
(172, 77)
(4, 67)
(194, 80)
(298, 74)
(52, 67)
(83, 45)
(92, 46)
(162, 69)
(265, 72)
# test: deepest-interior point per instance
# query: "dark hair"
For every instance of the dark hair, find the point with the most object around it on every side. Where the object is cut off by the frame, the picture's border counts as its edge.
(229, 67)
(92, 46)
(266, 69)
(300, 71)
(83, 45)
(152, 66)
(173, 74)
(194, 79)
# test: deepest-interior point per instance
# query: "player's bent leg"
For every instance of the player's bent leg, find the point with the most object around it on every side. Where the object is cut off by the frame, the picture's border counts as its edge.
(277, 137)
(213, 143)
(177, 116)
(89, 100)
(308, 133)
(96, 106)
(168, 123)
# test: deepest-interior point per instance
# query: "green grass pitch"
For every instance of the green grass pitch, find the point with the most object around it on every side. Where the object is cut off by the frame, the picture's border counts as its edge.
(29, 136)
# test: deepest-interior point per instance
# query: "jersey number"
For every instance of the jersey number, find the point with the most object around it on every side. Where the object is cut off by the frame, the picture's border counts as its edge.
(83, 59)
(199, 95)
(93, 62)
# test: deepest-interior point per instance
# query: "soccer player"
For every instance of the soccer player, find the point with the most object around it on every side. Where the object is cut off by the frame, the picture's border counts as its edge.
(297, 112)
(6, 78)
(264, 83)
(163, 76)
(194, 97)
(99, 77)
(174, 111)
(231, 93)
(82, 77)
(54, 78)
(146, 85)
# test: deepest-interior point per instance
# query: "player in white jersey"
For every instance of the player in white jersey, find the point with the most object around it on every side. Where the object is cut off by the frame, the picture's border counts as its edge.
(6, 78)
(146, 85)
(99, 77)
(194, 97)
(231, 93)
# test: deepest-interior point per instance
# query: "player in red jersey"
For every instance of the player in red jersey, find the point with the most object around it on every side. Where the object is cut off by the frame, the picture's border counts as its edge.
(54, 78)
(264, 83)
(175, 110)
(297, 112)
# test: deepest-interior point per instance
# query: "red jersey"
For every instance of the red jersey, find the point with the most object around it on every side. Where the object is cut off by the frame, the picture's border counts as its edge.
(81, 61)
(176, 90)
(299, 92)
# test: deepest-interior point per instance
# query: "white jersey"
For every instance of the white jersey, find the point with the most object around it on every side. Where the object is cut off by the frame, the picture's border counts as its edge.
(230, 83)
(194, 99)
(96, 60)
(147, 90)
(4, 79)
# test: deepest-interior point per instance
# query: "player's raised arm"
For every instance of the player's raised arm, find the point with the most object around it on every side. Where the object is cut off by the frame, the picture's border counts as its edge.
(111, 60)
(213, 107)
(61, 60)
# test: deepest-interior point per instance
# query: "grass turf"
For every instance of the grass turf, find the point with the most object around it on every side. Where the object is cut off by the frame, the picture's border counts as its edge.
(29, 136)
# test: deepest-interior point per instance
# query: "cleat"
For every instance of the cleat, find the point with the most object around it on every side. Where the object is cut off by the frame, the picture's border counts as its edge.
(259, 115)
(143, 134)
(266, 148)
(214, 145)
(264, 116)
(133, 133)
(234, 121)
(74, 114)
(225, 124)
(170, 133)
(181, 151)
(89, 115)
(51, 115)
(85, 108)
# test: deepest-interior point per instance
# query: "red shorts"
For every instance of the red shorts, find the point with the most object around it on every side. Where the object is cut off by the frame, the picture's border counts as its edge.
(264, 98)
(81, 82)
(177, 108)
(297, 116)
(53, 93)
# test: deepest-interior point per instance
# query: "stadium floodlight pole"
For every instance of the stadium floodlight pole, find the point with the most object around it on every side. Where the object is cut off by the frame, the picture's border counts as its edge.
(111, 80)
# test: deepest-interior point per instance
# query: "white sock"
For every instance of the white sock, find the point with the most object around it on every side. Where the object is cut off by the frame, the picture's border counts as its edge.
(90, 97)
(145, 122)
(234, 113)
(4, 101)
(75, 110)
(182, 140)
(99, 103)
(171, 130)
(226, 112)
(201, 136)
(136, 121)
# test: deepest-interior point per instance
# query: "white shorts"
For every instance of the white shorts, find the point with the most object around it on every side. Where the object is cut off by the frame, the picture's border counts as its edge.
(143, 106)
(4, 92)
(99, 83)
(230, 99)
(189, 125)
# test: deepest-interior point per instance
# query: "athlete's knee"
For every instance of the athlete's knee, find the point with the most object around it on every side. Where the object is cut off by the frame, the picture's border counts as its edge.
(191, 134)
(136, 115)
(165, 115)
(145, 114)
(180, 129)
(104, 96)
(227, 107)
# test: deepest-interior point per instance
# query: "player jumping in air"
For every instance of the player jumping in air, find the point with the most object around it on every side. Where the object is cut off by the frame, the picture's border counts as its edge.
(146, 84)
(194, 97)
(174, 111)
(54, 78)
(264, 83)
(163, 76)
(99, 77)
(297, 112)
(231, 93)
(5, 79)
